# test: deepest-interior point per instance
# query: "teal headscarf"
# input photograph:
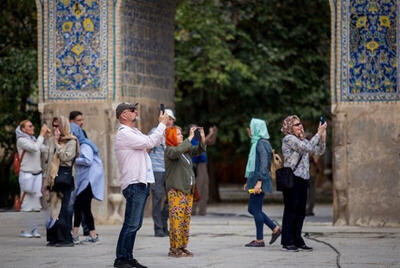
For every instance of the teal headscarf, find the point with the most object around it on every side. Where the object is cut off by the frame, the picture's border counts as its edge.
(258, 129)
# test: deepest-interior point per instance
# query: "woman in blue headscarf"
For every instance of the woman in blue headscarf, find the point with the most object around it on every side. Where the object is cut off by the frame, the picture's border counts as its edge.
(259, 180)
(89, 183)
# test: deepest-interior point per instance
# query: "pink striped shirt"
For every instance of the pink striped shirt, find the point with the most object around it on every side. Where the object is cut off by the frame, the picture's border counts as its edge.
(133, 160)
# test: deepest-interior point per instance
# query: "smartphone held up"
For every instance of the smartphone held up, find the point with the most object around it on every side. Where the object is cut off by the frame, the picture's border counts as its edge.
(322, 119)
(197, 134)
(162, 108)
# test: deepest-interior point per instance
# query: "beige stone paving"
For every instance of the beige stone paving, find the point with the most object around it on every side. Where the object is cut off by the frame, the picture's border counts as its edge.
(217, 241)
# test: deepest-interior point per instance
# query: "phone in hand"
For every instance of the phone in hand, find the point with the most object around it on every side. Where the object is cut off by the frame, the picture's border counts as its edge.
(197, 134)
(162, 108)
(322, 119)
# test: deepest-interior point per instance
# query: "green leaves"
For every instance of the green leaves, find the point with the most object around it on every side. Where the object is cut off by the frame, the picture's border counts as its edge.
(18, 82)
(238, 59)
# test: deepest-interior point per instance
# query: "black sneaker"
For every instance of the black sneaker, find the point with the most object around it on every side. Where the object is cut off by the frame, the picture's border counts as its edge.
(122, 264)
(290, 248)
(135, 263)
(305, 248)
(159, 234)
(166, 232)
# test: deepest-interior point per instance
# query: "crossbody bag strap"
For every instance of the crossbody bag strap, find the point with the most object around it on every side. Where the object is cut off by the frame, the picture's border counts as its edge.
(20, 162)
(298, 162)
(22, 157)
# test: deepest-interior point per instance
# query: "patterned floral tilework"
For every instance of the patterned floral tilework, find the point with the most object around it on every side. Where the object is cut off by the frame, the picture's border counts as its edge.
(370, 55)
(77, 49)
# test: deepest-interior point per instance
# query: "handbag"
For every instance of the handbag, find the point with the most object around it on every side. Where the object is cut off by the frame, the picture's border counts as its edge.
(17, 161)
(64, 177)
(276, 163)
(196, 195)
(285, 177)
(18, 201)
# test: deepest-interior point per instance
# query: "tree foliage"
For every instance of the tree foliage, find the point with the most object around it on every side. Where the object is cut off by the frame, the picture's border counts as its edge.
(238, 59)
(18, 81)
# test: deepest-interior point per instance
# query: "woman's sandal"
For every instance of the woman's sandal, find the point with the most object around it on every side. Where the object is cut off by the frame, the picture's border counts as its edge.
(187, 252)
(176, 253)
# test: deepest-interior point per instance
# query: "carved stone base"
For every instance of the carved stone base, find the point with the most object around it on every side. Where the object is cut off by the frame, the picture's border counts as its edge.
(116, 201)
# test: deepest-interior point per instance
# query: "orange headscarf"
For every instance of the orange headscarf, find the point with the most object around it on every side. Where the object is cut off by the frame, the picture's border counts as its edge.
(171, 138)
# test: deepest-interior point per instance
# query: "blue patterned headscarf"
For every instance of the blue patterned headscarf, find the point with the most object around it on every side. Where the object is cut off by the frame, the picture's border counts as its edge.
(259, 130)
(78, 132)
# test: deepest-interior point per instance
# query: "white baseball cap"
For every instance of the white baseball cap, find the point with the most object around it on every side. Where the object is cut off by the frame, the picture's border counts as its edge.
(170, 113)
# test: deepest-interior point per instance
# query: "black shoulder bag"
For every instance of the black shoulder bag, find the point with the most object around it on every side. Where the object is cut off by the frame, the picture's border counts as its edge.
(64, 177)
(285, 177)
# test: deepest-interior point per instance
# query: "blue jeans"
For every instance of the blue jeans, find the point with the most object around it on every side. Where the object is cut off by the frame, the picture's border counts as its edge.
(255, 209)
(136, 196)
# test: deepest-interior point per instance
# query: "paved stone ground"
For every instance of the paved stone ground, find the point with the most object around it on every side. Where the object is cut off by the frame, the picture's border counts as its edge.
(217, 241)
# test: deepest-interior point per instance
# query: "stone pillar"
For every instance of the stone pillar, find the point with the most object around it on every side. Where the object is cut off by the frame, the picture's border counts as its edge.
(94, 54)
(365, 90)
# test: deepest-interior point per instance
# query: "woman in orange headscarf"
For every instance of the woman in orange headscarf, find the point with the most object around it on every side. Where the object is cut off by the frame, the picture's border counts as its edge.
(180, 186)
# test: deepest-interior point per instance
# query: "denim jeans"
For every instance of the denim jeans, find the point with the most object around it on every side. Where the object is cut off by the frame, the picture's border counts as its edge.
(136, 196)
(294, 212)
(255, 209)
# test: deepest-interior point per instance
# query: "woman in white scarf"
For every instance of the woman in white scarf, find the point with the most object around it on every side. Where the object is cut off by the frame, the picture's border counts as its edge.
(30, 175)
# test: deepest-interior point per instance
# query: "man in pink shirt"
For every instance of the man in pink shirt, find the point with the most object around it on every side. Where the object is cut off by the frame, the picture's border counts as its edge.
(136, 174)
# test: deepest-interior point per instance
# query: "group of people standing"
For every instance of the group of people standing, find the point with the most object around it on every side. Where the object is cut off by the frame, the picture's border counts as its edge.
(163, 162)
(160, 211)
(47, 168)
(169, 168)
(160, 162)
(296, 151)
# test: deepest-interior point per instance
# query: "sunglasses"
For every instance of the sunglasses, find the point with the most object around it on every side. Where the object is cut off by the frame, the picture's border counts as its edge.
(131, 110)
(298, 124)
(55, 125)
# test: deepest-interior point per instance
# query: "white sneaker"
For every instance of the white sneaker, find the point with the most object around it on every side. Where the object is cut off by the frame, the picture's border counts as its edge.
(35, 233)
(76, 240)
(92, 239)
(25, 234)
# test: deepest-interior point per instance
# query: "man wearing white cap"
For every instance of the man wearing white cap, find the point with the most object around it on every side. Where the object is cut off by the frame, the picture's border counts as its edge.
(158, 190)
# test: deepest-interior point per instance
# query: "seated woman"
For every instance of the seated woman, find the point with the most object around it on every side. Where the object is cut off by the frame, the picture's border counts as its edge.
(180, 186)
(259, 179)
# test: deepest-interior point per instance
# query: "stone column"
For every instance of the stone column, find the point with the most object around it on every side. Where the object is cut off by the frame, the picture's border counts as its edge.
(365, 89)
(94, 54)
(340, 183)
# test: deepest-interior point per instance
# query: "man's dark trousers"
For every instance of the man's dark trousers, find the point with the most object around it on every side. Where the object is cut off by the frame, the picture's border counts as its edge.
(160, 204)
